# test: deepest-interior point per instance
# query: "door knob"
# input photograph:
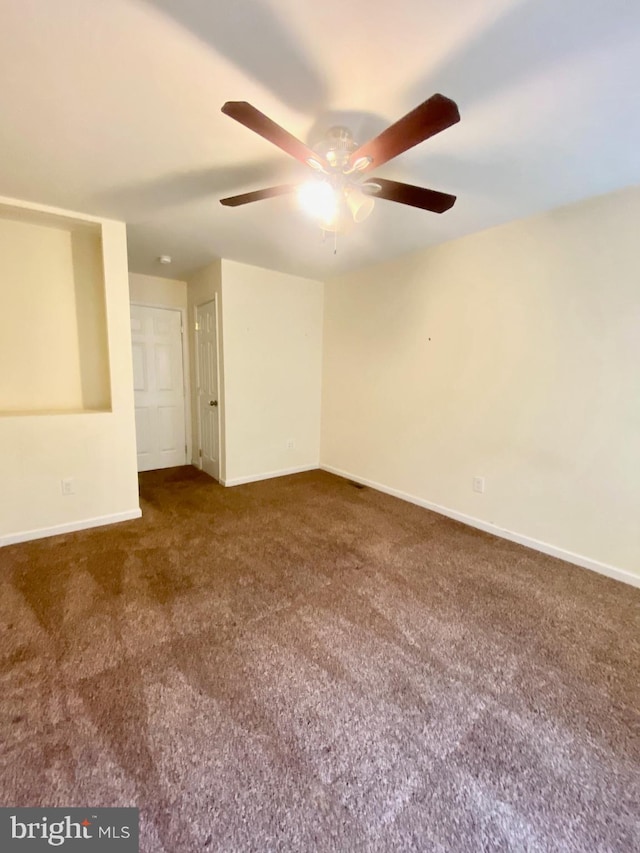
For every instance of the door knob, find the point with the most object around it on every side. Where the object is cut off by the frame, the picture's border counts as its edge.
(213, 402)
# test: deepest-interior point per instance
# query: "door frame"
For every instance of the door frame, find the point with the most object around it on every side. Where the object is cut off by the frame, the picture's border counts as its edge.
(196, 385)
(186, 384)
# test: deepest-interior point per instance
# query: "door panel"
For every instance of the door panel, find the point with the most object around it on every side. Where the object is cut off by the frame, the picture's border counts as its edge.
(139, 368)
(164, 374)
(159, 387)
(207, 388)
(143, 433)
(168, 428)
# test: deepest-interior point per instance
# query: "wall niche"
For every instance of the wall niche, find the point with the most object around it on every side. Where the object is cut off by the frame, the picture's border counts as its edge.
(54, 354)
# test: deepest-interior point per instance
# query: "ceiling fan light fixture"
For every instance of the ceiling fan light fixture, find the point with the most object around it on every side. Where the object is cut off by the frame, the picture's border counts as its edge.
(340, 196)
(370, 188)
(316, 165)
(359, 204)
(361, 164)
(318, 199)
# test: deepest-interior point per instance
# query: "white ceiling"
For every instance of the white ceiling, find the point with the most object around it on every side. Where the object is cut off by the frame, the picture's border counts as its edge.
(113, 108)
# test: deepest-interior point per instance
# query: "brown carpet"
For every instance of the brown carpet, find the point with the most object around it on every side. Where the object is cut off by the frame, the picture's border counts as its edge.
(304, 665)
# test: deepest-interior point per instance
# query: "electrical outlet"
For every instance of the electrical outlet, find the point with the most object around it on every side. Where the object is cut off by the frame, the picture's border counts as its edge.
(67, 486)
(290, 444)
(478, 484)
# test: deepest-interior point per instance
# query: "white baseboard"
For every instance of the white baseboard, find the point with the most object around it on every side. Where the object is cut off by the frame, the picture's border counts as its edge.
(70, 527)
(544, 547)
(239, 481)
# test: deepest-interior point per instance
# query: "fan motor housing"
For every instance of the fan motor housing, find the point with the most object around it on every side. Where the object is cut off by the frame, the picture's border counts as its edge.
(336, 146)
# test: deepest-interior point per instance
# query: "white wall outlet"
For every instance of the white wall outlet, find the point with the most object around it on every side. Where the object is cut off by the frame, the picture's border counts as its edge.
(67, 486)
(478, 485)
(290, 444)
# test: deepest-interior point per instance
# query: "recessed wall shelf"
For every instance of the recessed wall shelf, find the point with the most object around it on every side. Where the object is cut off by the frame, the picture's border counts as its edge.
(53, 329)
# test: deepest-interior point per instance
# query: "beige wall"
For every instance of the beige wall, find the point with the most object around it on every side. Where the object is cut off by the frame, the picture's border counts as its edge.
(269, 349)
(95, 449)
(161, 292)
(513, 355)
(272, 367)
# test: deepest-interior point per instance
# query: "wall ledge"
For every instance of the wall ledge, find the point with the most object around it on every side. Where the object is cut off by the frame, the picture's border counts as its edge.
(70, 527)
(545, 548)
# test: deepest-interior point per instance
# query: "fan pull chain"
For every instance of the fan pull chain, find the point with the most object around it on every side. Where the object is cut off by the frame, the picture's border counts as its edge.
(335, 240)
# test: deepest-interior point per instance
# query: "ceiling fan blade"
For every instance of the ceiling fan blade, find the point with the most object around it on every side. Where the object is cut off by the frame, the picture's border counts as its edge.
(261, 124)
(434, 115)
(258, 195)
(421, 197)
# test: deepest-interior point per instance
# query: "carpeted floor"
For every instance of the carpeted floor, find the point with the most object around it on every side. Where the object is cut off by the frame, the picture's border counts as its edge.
(303, 665)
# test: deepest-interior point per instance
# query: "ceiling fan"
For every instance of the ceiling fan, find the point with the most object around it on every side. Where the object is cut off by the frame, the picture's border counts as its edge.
(341, 189)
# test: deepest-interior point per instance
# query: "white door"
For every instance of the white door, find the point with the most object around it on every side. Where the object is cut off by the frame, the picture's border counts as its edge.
(207, 381)
(158, 377)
